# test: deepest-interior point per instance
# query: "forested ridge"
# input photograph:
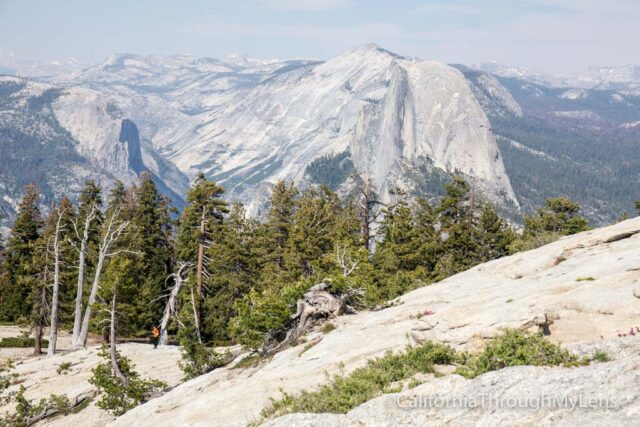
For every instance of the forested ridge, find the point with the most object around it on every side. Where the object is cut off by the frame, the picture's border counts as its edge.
(213, 276)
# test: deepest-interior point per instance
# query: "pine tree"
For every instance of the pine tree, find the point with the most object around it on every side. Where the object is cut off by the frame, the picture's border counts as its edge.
(233, 271)
(68, 261)
(273, 235)
(199, 223)
(151, 230)
(460, 248)
(311, 237)
(200, 227)
(559, 215)
(495, 236)
(397, 256)
(18, 295)
(430, 245)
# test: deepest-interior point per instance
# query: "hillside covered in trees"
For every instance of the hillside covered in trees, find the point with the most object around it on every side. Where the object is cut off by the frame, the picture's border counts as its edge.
(213, 276)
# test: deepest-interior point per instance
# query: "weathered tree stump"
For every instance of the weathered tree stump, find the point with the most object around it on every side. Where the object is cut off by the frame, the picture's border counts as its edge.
(316, 306)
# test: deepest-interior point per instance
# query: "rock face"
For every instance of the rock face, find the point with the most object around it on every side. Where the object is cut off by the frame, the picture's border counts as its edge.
(580, 287)
(129, 135)
(60, 138)
(248, 123)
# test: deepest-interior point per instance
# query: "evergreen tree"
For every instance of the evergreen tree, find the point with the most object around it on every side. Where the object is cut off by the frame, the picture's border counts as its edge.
(200, 228)
(460, 246)
(397, 259)
(400, 245)
(151, 234)
(311, 237)
(200, 222)
(68, 261)
(18, 295)
(495, 236)
(273, 236)
(233, 271)
(559, 215)
(425, 223)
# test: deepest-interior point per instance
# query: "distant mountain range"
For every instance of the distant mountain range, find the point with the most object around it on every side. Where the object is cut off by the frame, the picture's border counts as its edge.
(404, 123)
(626, 77)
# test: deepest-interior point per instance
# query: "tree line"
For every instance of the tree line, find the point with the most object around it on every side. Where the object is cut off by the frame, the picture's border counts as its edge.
(214, 276)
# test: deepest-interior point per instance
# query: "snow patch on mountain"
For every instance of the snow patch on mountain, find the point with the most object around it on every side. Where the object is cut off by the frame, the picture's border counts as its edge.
(574, 94)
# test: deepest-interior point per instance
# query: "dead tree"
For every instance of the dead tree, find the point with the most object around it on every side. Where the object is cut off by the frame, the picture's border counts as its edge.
(170, 307)
(370, 211)
(77, 319)
(41, 307)
(40, 322)
(112, 344)
(113, 232)
(344, 260)
(316, 306)
(53, 335)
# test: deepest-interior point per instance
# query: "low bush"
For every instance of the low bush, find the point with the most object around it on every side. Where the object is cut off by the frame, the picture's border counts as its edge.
(20, 342)
(118, 398)
(387, 374)
(28, 412)
(327, 327)
(599, 356)
(515, 348)
(344, 392)
(198, 359)
(63, 368)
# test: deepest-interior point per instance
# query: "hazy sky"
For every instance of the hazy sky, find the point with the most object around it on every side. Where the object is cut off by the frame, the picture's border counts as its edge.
(549, 35)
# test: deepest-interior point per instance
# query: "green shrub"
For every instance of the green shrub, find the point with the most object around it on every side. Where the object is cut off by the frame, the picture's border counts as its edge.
(585, 279)
(248, 362)
(198, 359)
(63, 368)
(21, 342)
(599, 356)
(515, 348)
(5, 379)
(263, 313)
(529, 242)
(116, 397)
(345, 392)
(327, 327)
(26, 410)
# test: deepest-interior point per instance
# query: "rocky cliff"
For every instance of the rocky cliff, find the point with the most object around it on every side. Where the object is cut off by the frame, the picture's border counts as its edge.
(248, 123)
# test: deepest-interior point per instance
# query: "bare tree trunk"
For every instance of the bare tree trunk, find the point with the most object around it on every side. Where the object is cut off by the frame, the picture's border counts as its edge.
(111, 236)
(196, 317)
(77, 319)
(201, 253)
(369, 213)
(39, 329)
(170, 308)
(84, 331)
(53, 336)
(112, 344)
